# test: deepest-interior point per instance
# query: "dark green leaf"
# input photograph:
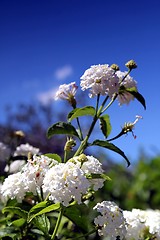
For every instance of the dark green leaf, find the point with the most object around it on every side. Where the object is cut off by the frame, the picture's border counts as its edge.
(105, 125)
(135, 93)
(16, 210)
(61, 128)
(77, 217)
(54, 156)
(110, 146)
(42, 208)
(78, 112)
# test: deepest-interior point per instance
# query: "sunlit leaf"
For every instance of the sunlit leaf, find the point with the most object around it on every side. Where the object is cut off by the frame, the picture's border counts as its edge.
(61, 128)
(42, 223)
(42, 208)
(54, 156)
(105, 125)
(79, 112)
(18, 222)
(110, 146)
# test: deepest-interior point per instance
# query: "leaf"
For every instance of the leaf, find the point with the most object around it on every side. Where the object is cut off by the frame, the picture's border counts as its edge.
(78, 112)
(135, 93)
(19, 222)
(54, 156)
(61, 128)
(110, 146)
(42, 223)
(138, 96)
(105, 125)
(98, 175)
(16, 210)
(77, 217)
(42, 208)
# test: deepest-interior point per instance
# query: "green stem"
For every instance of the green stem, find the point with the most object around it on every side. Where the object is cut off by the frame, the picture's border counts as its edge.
(57, 223)
(84, 143)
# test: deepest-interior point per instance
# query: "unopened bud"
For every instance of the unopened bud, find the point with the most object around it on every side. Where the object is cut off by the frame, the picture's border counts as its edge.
(19, 133)
(69, 144)
(131, 64)
(115, 67)
(82, 158)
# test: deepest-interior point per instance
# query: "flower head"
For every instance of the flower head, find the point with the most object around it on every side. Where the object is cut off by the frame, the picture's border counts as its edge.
(65, 182)
(125, 97)
(100, 79)
(24, 149)
(67, 92)
(110, 222)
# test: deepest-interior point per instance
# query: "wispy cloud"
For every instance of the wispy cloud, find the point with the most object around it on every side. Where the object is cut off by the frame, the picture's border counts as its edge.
(46, 97)
(63, 72)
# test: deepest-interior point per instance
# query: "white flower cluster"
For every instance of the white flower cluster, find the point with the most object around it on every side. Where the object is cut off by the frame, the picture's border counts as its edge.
(28, 180)
(102, 79)
(140, 221)
(62, 182)
(68, 181)
(111, 222)
(24, 149)
(4, 152)
(66, 91)
(21, 150)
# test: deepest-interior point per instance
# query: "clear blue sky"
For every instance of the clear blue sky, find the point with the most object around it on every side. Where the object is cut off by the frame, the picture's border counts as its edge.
(47, 43)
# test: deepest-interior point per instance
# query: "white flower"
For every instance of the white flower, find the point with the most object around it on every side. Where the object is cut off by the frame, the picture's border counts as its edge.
(111, 222)
(100, 79)
(129, 82)
(15, 166)
(24, 149)
(65, 182)
(34, 171)
(28, 180)
(67, 92)
(13, 187)
(4, 152)
(139, 220)
(91, 166)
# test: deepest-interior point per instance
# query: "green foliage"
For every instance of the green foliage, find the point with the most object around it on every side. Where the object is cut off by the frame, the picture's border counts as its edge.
(79, 112)
(105, 125)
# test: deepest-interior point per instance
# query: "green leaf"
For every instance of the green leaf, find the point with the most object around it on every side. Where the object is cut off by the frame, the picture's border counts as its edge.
(98, 175)
(42, 223)
(42, 208)
(77, 217)
(19, 222)
(135, 93)
(138, 96)
(54, 156)
(61, 128)
(78, 112)
(105, 125)
(110, 146)
(16, 210)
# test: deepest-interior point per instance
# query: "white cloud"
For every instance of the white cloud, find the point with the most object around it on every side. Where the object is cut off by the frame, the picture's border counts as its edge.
(63, 72)
(46, 97)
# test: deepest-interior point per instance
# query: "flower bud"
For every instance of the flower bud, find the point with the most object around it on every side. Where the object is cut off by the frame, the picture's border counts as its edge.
(131, 64)
(115, 67)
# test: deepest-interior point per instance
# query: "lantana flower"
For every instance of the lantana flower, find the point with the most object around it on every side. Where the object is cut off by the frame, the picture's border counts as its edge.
(67, 92)
(100, 79)
(65, 182)
(110, 222)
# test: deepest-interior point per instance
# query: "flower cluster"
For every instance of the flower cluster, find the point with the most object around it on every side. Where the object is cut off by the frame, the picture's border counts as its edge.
(63, 182)
(140, 223)
(28, 180)
(104, 80)
(110, 222)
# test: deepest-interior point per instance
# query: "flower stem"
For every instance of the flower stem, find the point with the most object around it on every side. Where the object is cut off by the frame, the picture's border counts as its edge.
(57, 223)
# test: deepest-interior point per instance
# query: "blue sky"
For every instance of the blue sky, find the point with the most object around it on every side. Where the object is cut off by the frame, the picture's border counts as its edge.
(47, 43)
